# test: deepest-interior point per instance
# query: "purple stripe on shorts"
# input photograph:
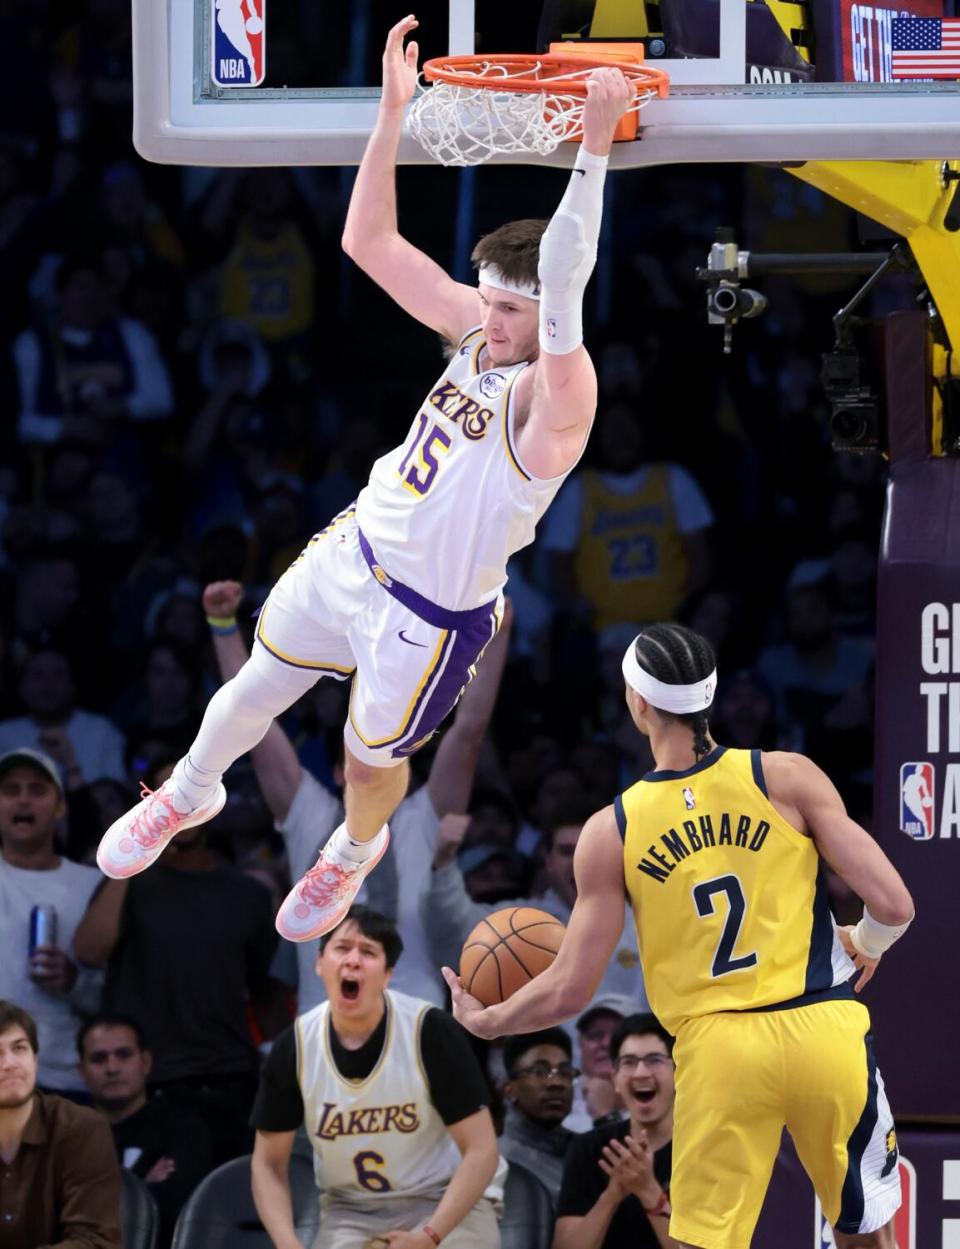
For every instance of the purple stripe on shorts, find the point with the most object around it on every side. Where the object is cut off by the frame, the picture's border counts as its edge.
(467, 646)
(439, 617)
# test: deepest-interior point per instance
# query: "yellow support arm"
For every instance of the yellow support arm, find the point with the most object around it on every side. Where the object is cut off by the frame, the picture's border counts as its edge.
(911, 198)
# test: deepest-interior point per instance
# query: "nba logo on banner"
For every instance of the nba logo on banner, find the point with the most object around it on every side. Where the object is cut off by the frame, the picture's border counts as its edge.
(905, 1220)
(916, 800)
(239, 43)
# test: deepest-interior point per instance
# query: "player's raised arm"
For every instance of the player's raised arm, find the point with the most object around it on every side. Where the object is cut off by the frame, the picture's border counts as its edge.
(371, 236)
(595, 927)
(853, 854)
(565, 389)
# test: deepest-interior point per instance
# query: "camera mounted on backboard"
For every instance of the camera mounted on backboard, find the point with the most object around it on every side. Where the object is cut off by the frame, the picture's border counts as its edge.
(727, 300)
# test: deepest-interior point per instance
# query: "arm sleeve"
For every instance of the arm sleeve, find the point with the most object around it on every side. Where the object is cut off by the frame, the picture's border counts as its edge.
(457, 1085)
(278, 1106)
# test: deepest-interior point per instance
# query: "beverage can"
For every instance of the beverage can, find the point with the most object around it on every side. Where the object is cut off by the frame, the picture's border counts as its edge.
(43, 926)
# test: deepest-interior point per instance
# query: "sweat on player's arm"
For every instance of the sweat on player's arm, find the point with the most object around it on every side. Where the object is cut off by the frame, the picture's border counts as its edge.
(570, 982)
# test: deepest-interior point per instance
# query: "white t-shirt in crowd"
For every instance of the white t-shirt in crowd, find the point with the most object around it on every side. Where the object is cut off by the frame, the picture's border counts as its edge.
(67, 888)
(393, 887)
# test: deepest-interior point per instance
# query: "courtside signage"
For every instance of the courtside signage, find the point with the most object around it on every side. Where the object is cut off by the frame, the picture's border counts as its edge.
(866, 35)
(917, 791)
(939, 689)
(239, 43)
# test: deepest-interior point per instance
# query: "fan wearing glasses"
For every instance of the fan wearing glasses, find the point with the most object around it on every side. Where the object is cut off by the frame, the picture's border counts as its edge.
(615, 1179)
(538, 1093)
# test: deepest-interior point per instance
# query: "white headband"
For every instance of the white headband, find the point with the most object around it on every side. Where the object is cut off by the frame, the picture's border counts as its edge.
(680, 699)
(490, 275)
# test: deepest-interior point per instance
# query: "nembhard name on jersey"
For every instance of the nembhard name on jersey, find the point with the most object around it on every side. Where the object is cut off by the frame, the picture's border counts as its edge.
(693, 836)
(367, 1120)
(449, 399)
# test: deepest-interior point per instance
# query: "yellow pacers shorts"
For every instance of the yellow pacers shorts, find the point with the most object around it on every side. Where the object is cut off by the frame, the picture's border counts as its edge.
(742, 1076)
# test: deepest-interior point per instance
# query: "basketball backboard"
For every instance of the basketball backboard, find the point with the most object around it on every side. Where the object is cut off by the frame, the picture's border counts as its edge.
(260, 82)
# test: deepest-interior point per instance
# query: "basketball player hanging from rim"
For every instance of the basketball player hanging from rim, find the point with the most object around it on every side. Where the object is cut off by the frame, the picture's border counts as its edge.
(403, 590)
(721, 853)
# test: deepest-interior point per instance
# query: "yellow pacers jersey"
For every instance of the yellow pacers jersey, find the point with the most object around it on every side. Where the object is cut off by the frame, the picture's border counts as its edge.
(729, 899)
(631, 562)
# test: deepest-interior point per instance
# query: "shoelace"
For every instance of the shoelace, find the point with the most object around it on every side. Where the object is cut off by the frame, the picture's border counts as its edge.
(326, 882)
(158, 818)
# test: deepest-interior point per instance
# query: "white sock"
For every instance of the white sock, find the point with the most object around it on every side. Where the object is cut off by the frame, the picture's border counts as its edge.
(342, 846)
(192, 786)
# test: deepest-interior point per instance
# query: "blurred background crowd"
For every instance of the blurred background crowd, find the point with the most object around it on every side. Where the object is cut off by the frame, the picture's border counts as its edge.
(194, 380)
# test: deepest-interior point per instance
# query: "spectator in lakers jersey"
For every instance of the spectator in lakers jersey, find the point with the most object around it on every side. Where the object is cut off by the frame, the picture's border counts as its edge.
(722, 855)
(403, 590)
(629, 539)
(393, 1101)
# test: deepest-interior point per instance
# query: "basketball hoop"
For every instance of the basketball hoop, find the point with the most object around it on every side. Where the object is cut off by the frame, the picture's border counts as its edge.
(484, 106)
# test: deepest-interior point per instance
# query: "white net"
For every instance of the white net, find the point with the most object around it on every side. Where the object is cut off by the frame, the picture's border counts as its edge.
(466, 125)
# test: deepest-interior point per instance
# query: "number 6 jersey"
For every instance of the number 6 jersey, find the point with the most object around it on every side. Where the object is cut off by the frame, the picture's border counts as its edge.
(729, 899)
(379, 1137)
(446, 510)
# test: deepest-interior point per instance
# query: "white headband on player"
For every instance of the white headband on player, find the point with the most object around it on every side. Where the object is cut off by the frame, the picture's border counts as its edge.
(490, 275)
(680, 699)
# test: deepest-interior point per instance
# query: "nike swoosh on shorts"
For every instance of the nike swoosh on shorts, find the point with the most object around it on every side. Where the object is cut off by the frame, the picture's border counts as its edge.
(410, 641)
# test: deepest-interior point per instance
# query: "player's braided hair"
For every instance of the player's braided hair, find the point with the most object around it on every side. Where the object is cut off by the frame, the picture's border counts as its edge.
(678, 656)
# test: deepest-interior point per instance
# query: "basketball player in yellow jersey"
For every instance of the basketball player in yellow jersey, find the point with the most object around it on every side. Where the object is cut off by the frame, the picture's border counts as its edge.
(401, 592)
(722, 854)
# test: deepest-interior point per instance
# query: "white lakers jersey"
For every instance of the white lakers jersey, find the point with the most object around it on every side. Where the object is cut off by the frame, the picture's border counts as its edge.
(379, 1137)
(446, 510)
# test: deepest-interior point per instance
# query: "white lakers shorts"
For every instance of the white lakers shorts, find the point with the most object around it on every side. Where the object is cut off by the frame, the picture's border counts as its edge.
(335, 611)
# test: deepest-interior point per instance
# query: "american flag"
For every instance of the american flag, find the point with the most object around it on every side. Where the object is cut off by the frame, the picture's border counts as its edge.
(925, 47)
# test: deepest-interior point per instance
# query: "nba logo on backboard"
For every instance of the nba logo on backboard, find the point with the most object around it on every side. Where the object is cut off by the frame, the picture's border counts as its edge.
(916, 800)
(239, 43)
(904, 1223)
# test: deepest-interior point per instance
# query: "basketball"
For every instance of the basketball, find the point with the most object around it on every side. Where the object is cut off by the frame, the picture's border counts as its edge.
(507, 949)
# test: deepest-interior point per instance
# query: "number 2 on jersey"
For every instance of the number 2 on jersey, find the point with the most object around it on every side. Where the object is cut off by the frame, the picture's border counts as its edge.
(420, 476)
(703, 895)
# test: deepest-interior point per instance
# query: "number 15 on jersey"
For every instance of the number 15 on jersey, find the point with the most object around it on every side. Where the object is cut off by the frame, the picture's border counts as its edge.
(428, 444)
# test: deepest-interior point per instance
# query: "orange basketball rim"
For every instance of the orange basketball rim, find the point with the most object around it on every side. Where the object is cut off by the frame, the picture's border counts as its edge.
(472, 97)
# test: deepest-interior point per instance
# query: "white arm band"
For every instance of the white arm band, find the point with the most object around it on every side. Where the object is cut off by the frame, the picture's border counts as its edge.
(872, 939)
(568, 251)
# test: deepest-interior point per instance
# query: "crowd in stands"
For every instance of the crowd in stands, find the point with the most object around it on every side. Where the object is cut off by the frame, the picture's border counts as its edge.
(194, 382)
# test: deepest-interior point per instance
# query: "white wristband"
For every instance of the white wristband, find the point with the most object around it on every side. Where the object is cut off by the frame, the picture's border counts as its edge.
(872, 939)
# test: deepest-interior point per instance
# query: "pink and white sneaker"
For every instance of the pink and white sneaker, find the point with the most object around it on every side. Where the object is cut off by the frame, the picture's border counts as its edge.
(322, 897)
(134, 841)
